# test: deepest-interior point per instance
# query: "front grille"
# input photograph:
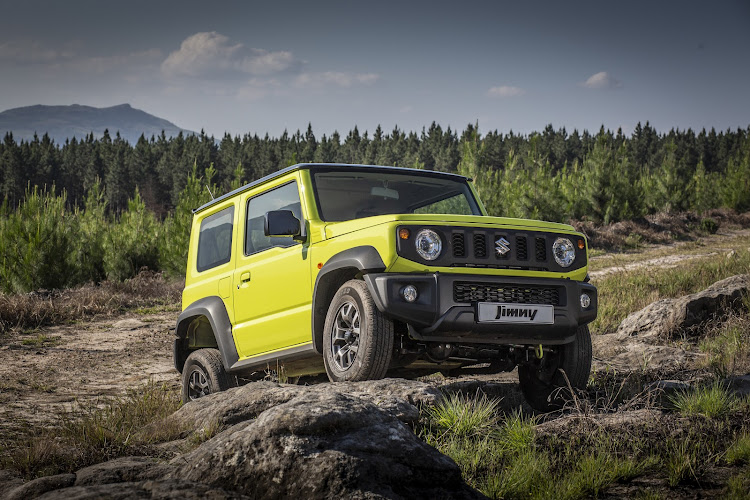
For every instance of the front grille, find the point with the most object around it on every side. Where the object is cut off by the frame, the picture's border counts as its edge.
(540, 249)
(459, 248)
(513, 294)
(522, 252)
(480, 246)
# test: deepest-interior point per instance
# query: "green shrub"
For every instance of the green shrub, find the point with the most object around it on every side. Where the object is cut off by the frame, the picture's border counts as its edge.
(133, 242)
(709, 225)
(36, 243)
(173, 247)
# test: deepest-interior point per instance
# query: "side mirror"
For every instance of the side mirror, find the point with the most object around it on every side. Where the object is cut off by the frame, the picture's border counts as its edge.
(282, 223)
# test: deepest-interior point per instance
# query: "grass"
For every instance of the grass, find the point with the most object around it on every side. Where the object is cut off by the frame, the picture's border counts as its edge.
(621, 294)
(727, 343)
(464, 415)
(505, 456)
(683, 461)
(739, 452)
(115, 427)
(713, 401)
(738, 488)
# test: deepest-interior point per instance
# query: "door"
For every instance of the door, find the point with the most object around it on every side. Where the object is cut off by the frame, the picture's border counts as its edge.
(271, 285)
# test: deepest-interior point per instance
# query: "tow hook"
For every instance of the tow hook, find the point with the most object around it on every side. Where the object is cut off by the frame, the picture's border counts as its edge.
(539, 351)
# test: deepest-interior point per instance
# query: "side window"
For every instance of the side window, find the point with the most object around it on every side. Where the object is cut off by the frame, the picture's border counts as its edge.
(285, 197)
(215, 239)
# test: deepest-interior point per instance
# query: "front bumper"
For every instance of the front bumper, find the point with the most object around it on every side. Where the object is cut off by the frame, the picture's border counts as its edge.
(439, 314)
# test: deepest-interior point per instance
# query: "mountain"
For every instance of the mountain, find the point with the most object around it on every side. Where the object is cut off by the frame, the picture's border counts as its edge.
(66, 122)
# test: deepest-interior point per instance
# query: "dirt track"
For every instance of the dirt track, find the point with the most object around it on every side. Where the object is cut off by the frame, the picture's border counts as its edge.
(79, 364)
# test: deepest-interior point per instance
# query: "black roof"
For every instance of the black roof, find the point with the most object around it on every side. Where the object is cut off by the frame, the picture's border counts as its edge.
(321, 166)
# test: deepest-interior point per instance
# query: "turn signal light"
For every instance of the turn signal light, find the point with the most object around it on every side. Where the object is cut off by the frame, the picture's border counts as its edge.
(581, 244)
(403, 233)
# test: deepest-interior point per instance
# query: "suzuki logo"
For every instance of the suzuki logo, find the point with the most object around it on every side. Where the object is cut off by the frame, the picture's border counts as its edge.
(502, 246)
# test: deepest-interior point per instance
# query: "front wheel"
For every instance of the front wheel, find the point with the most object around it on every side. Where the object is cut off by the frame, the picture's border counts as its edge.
(204, 374)
(357, 337)
(542, 381)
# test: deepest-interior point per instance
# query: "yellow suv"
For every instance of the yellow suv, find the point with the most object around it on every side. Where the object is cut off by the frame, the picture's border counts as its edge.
(353, 270)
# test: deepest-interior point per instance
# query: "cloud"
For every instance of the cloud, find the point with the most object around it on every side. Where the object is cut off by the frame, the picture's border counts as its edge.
(32, 52)
(506, 91)
(209, 53)
(602, 80)
(337, 78)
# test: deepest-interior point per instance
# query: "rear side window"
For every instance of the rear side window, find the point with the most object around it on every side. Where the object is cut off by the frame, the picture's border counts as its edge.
(215, 239)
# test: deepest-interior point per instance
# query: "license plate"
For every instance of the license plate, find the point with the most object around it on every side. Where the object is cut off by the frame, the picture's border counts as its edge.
(498, 312)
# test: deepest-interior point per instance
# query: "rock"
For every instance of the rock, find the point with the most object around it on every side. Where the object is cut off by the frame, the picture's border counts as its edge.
(120, 470)
(508, 394)
(613, 422)
(40, 486)
(8, 481)
(129, 324)
(153, 490)
(348, 440)
(670, 317)
(398, 397)
(731, 254)
(740, 385)
(323, 444)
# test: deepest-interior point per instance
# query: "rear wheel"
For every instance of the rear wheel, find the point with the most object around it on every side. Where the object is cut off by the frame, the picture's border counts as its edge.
(204, 374)
(542, 381)
(357, 337)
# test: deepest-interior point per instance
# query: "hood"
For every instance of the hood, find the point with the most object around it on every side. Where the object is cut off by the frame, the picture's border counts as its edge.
(334, 229)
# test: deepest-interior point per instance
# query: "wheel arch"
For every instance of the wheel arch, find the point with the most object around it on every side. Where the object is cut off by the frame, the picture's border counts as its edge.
(339, 269)
(214, 312)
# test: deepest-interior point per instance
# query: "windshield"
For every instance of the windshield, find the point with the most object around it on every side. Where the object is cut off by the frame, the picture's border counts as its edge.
(354, 194)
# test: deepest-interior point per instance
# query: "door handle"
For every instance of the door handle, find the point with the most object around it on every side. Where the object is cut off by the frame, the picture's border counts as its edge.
(245, 277)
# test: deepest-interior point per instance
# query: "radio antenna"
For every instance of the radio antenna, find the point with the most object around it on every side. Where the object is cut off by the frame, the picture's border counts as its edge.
(209, 192)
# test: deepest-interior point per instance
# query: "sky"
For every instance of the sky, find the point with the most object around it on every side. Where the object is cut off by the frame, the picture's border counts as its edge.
(243, 67)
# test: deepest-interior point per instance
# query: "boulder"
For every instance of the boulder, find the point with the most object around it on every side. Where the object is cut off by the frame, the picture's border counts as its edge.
(121, 470)
(398, 397)
(739, 385)
(152, 490)
(40, 486)
(671, 317)
(324, 444)
(8, 481)
(351, 440)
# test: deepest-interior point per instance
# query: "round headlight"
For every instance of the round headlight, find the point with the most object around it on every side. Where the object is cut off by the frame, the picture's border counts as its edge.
(564, 251)
(428, 244)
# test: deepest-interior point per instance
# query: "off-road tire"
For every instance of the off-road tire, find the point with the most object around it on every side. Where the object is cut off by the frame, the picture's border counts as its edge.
(542, 381)
(204, 374)
(374, 340)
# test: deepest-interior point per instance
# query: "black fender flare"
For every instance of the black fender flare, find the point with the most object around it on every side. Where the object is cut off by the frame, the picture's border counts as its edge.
(215, 312)
(363, 259)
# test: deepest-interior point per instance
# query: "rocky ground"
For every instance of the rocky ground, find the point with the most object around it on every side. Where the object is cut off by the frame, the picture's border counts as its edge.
(270, 440)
